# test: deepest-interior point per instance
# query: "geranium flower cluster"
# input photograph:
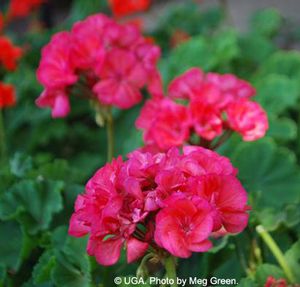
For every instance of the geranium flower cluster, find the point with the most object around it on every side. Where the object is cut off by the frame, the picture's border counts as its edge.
(171, 202)
(203, 104)
(109, 63)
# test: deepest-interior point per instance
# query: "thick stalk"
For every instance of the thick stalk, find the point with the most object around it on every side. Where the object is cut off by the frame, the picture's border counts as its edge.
(276, 252)
(110, 136)
(3, 155)
(170, 266)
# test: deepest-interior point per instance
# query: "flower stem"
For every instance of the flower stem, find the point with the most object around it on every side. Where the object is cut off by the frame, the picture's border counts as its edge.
(3, 150)
(276, 252)
(170, 266)
(223, 138)
(110, 136)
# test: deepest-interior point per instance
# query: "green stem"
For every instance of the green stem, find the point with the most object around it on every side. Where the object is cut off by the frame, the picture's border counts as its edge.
(110, 136)
(223, 138)
(3, 150)
(276, 252)
(170, 266)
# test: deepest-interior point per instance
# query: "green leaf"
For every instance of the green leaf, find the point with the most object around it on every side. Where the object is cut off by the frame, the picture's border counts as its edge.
(255, 48)
(195, 52)
(82, 9)
(266, 22)
(42, 270)
(11, 242)
(225, 47)
(265, 270)
(276, 93)
(247, 282)
(293, 259)
(72, 268)
(206, 53)
(272, 218)
(33, 203)
(20, 164)
(286, 63)
(269, 173)
(133, 281)
(282, 129)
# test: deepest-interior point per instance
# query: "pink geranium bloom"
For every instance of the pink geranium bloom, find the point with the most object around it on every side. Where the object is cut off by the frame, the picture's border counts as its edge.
(201, 161)
(183, 226)
(55, 69)
(214, 104)
(187, 85)
(109, 62)
(206, 120)
(227, 198)
(231, 86)
(247, 118)
(87, 49)
(167, 124)
(57, 100)
(120, 86)
(170, 201)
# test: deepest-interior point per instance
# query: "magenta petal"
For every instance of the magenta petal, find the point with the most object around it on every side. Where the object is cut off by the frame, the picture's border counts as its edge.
(106, 252)
(201, 247)
(77, 227)
(61, 106)
(135, 249)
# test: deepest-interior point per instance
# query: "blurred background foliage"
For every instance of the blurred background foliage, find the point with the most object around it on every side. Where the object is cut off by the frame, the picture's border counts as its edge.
(50, 160)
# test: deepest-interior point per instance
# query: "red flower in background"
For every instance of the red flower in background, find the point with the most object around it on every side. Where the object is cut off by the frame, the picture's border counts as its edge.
(7, 95)
(1, 22)
(21, 8)
(9, 54)
(122, 8)
(272, 282)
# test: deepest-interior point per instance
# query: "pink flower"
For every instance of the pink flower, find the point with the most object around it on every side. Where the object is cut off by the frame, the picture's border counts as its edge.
(87, 49)
(57, 100)
(187, 85)
(227, 198)
(201, 161)
(55, 69)
(166, 123)
(248, 119)
(170, 201)
(109, 62)
(120, 86)
(183, 226)
(207, 101)
(231, 86)
(206, 120)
